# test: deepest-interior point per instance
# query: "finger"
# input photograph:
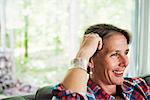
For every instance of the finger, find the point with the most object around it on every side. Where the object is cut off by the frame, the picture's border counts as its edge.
(100, 44)
(97, 35)
(91, 34)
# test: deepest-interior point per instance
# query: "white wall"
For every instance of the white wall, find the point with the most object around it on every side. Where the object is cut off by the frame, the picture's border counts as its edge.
(143, 38)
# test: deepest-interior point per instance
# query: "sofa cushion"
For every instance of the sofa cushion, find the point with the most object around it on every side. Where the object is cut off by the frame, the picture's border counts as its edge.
(24, 97)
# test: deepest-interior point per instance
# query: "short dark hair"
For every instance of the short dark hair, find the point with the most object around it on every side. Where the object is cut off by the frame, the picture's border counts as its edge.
(104, 29)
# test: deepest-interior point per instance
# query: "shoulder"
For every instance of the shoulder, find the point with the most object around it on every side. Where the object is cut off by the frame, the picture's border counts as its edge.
(135, 80)
(136, 84)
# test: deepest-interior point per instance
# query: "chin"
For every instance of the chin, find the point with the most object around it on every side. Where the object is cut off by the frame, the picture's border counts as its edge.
(117, 78)
(119, 81)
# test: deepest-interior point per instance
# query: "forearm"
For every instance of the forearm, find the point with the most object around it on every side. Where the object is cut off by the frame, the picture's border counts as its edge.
(76, 80)
(77, 77)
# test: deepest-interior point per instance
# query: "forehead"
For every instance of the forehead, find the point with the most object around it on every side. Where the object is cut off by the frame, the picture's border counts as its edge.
(115, 42)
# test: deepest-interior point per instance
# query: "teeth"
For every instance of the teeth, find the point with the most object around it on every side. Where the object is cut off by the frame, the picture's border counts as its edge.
(118, 72)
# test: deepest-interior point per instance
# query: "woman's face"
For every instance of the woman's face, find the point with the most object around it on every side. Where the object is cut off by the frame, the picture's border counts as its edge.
(110, 62)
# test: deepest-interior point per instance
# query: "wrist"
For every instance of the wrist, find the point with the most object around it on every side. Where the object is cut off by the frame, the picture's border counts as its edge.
(79, 63)
(83, 55)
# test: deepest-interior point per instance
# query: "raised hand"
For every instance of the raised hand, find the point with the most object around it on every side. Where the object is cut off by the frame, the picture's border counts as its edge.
(89, 45)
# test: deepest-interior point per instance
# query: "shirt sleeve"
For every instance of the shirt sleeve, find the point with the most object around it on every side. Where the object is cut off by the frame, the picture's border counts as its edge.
(60, 93)
(143, 87)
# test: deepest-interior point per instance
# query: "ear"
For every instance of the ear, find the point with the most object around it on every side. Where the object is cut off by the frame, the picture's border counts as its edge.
(91, 63)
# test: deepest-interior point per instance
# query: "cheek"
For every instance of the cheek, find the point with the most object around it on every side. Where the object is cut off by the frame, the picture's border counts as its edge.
(112, 63)
(105, 62)
(106, 65)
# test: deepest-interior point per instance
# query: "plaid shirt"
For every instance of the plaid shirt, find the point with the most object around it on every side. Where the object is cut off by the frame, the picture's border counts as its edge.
(132, 89)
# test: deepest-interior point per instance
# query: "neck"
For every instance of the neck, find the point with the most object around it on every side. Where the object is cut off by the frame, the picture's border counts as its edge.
(110, 89)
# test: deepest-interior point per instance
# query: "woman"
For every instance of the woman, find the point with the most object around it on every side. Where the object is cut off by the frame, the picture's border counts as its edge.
(104, 53)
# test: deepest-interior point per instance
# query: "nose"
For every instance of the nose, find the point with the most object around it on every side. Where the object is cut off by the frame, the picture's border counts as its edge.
(123, 60)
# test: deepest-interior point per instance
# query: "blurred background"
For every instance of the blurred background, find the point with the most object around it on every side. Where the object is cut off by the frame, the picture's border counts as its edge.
(38, 38)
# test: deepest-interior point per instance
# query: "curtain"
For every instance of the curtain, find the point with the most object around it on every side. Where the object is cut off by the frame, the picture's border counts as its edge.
(143, 37)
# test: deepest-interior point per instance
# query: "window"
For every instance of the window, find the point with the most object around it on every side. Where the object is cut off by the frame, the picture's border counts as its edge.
(45, 35)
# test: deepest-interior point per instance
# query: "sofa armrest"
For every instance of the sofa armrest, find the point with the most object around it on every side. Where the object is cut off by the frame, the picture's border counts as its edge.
(147, 79)
(44, 93)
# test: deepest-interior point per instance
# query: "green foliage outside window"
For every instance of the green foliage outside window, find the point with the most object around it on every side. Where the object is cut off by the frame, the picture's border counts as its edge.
(42, 30)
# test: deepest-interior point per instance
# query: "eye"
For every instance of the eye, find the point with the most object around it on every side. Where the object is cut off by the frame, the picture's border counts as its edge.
(114, 54)
(126, 52)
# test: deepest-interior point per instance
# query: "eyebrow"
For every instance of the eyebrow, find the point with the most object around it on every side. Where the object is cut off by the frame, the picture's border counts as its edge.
(119, 50)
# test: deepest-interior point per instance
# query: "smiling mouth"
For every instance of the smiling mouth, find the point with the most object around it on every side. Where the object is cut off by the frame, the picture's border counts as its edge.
(118, 73)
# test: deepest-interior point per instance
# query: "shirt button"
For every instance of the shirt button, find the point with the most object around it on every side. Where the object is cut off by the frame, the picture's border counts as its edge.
(74, 94)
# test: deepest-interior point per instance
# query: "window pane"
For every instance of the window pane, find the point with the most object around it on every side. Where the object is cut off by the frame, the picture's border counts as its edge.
(51, 31)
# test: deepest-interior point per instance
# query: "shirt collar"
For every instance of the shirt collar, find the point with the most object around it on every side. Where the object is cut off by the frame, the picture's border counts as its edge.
(95, 88)
(128, 86)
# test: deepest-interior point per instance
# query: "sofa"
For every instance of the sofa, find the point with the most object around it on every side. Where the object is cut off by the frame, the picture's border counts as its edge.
(45, 93)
